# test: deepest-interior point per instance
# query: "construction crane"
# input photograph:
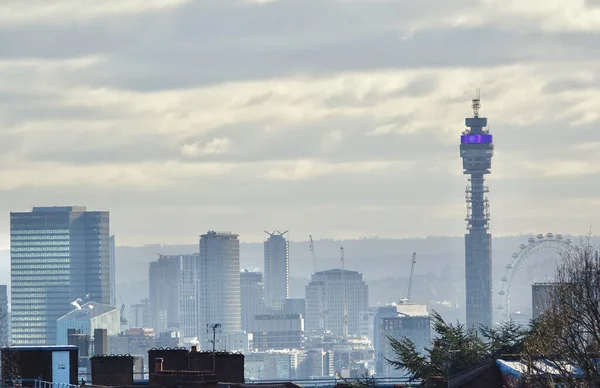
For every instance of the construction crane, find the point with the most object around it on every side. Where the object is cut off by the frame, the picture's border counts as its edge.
(123, 319)
(345, 300)
(321, 306)
(410, 279)
(311, 247)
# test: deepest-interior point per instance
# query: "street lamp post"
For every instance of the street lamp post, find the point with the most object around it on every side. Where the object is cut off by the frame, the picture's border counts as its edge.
(214, 328)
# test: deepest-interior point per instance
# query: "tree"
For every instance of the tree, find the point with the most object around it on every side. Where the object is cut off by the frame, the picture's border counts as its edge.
(568, 333)
(455, 348)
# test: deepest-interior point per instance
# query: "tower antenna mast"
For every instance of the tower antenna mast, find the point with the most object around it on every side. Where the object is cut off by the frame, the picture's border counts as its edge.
(476, 151)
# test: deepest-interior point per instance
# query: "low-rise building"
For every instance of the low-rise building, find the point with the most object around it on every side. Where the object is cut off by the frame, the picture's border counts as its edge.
(285, 331)
(399, 321)
(87, 318)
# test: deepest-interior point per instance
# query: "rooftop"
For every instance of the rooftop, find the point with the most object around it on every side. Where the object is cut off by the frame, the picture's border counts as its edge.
(88, 310)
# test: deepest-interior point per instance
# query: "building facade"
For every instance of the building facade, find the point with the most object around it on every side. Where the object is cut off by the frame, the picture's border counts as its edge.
(188, 294)
(410, 321)
(252, 297)
(476, 151)
(543, 295)
(277, 266)
(58, 255)
(4, 318)
(113, 270)
(219, 288)
(325, 306)
(278, 331)
(164, 288)
(87, 318)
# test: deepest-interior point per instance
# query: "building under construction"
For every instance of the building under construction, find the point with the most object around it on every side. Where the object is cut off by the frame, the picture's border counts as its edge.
(326, 297)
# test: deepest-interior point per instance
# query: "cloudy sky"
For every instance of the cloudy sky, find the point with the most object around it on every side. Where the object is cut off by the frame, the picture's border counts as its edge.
(339, 118)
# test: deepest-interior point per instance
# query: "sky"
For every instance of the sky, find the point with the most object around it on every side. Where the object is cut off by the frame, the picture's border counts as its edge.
(336, 118)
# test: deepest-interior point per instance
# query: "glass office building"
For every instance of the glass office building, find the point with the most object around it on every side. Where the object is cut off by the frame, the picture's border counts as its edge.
(59, 255)
(219, 287)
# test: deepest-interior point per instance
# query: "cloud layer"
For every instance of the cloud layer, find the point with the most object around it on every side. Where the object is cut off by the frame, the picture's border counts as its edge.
(338, 118)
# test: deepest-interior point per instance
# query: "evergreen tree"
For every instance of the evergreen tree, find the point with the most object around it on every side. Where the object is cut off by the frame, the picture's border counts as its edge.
(455, 348)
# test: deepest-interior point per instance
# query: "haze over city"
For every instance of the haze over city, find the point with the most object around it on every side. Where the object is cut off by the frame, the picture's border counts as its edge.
(376, 190)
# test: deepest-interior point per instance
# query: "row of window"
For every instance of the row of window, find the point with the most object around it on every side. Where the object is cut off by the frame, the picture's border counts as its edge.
(42, 266)
(40, 272)
(45, 283)
(39, 243)
(48, 254)
(38, 231)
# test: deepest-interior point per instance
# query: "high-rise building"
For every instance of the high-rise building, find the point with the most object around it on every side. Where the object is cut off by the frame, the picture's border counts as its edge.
(252, 297)
(219, 288)
(188, 294)
(173, 302)
(164, 281)
(113, 271)
(4, 318)
(277, 265)
(58, 255)
(476, 151)
(329, 294)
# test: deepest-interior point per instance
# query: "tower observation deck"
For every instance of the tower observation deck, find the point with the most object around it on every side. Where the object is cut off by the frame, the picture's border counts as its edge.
(476, 151)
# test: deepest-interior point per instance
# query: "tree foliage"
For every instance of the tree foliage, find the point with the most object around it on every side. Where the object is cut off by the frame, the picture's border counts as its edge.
(568, 332)
(455, 348)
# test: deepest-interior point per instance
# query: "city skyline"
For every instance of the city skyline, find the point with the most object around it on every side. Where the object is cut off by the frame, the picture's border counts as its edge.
(368, 114)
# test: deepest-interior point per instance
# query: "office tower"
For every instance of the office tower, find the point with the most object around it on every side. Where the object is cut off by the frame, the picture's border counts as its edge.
(402, 321)
(476, 151)
(164, 281)
(325, 295)
(252, 294)
(219, 288)
(188, 294)
(113, 271)
(277, 265)
(4, 318)
(58, 255)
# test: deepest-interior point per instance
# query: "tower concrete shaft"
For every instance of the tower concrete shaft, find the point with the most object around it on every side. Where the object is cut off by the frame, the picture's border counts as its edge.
(476, 150)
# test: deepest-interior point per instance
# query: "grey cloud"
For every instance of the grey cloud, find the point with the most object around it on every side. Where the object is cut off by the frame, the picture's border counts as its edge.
(203, 43)
(420, 87)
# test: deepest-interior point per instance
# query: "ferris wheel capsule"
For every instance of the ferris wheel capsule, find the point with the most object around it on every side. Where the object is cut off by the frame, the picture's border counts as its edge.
(540, 236)
(522, 246)
(559, 237)
(531, 240)
(504, 279)
(515, 255)
(500, 307)
(509, 266)
(501, 292)
(550, 235)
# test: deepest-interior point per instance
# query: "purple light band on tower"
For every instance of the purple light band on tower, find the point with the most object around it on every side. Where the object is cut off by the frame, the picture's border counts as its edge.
(476, 139)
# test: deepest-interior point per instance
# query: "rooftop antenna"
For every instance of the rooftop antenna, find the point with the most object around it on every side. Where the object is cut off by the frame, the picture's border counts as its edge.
(476, 104)
(214, 328)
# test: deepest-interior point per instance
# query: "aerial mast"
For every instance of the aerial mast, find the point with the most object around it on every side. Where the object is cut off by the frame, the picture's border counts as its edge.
(345, 300)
